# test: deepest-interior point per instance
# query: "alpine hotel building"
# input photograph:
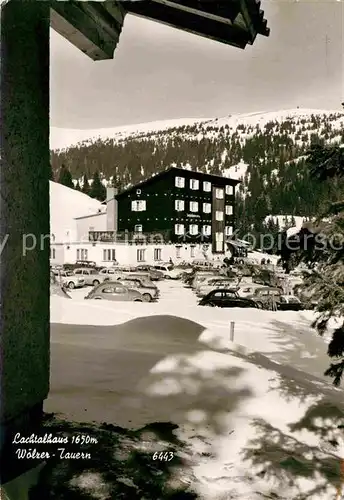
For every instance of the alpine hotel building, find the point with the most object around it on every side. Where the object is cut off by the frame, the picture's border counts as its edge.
(180, 206)
(178, 213)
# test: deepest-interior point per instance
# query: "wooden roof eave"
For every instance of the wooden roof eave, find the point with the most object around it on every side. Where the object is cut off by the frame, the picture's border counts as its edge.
(89, 26)
(205, 25)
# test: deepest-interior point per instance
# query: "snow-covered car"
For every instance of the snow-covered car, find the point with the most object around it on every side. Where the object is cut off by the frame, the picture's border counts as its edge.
(168, 271)
(205, 287)
(68, 279)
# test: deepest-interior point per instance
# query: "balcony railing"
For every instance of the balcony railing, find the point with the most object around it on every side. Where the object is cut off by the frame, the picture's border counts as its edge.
(143, 238)
(138, 237)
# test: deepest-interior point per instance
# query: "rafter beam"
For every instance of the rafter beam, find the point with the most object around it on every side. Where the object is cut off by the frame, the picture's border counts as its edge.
(89, 26)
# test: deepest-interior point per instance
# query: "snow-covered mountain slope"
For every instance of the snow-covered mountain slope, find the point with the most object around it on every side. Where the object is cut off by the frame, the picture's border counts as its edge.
(65, 205)
(62, 138)
(266, 151)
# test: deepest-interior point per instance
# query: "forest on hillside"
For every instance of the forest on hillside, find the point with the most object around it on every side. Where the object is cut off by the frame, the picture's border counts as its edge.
(277, 178)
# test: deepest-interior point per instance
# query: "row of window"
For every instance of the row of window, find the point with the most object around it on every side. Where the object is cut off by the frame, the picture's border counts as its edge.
(179, 229)
(194, 185)
(179, 205)
(140, 206)
(141, 254)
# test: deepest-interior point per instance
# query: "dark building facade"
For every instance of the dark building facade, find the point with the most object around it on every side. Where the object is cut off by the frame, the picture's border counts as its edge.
(181, 206)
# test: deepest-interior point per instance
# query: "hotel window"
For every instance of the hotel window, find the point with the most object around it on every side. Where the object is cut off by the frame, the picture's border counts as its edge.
(207, 208)
(109, 255)
(178, 252)
(141, 255)
(206, 230)
(138, 205)
(192, 252)
(138, 228)
(179, 229)
(229, 230)
(52, 253)
(194, 184)
(229, 190)
(207, 186)
(179, 205)
(193, 206)
(219, 215)
(180, 182)
(193, 229)
(157, 253)
(229, 210)
(219, 194)
(82, 254)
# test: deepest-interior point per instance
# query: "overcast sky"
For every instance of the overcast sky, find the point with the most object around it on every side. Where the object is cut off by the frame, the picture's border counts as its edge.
(161, 73)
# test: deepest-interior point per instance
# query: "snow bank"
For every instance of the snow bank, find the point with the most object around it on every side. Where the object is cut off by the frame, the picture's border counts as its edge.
(65, 205)
(236, 413)
(247, 445)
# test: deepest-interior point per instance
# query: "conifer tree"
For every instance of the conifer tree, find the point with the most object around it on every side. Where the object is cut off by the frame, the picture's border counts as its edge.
(324, 253)
(97, 190)
(65, 177)
(77, 186)
(85, 185)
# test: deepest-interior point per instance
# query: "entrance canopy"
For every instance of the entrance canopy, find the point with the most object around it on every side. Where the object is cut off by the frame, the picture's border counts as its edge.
(95, 27)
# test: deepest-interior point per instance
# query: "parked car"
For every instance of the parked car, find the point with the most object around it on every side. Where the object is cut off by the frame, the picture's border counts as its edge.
(213, 284)
(202, 276)
(114, 291)
(145, 278)
(265, 297)
(226, 298)
(203, 264)
(248, 289)
(149, 293)
(154, 273)
(91, 276)
(69, 280)
(80, 263)
(290, 303)
(168, 271)
(108, 273)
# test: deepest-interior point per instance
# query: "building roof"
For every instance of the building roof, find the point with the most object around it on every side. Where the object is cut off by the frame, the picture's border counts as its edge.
(181, 171)
(95, 27)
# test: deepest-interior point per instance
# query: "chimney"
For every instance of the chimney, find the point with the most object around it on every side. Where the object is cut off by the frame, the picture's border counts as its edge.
(111, 209)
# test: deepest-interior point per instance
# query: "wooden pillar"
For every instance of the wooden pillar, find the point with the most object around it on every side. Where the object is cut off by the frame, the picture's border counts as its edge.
(24, 217)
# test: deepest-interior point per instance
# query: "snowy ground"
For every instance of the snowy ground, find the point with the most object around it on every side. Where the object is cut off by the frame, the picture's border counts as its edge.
(258, 425)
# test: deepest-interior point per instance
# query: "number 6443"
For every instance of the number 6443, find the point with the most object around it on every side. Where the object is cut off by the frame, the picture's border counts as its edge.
(166, 456)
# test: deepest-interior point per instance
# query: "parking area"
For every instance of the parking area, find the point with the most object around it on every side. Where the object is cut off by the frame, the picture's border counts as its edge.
(172, 292)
